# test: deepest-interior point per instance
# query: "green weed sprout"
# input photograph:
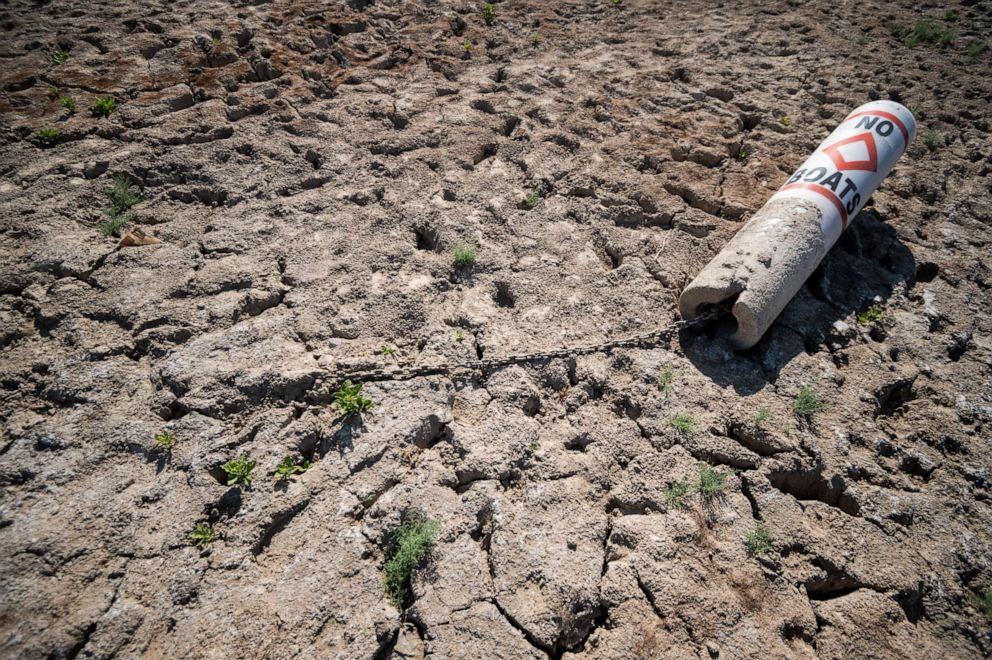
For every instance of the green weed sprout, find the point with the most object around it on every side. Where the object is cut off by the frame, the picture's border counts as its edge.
(103, 106)
(489, 13)
(47, 137)
(933, 140)
(349, 400)
(387, 351)
(683, 423)
(807, 402)
(69, 104)
(288, 467)
(758, 541)
(666, 380)
(60, 56)
(870, 315)
(763, 415)
(464, 255)
(202, 535)
(165, 440)
(677, 493)
(530, 201)
(239, 471)
(711, 482)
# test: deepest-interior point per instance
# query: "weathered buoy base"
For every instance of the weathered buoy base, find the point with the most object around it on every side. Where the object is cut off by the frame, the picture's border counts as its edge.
(760, 269)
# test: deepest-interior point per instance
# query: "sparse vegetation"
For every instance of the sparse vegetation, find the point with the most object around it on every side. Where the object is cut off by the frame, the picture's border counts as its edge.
(536, 38)
(122, 197)
(239, 471)
(387, 351)
(202, 535)
(60, 56)
(69, 104)
(758, 541)
(459, 334)
(165, 440)
(467, 47)
(742, 154)
(666, 380)
(925, 32)
(530, 201)
(976, 48)
(785, 121)
(489, 13)
(985, 602)
(47, 137)
(870, 315)
(933, 140)
(683, 423)
(411, 541)
(862, 40)
(103, 106)
(288, 467)
(215, 42)
(349, 400)
(534, 445)
(711, 481)
(115, 222)
(53, 92)
(762, 416)
(677, 493)
(807, 402)
(464, 255)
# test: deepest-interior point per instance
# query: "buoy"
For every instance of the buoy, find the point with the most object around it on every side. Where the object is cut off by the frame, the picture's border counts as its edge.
(763, 266)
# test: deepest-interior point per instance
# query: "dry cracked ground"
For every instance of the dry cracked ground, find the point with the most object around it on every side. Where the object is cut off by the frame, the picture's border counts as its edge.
(307, 169)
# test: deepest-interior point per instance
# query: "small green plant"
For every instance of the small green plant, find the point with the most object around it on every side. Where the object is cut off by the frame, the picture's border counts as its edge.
(530, 201)
(711, 482)
(411, 542)
(115, 222)
(459, 334)
(69, 104)
(862, 40)
(536, 38)
(288, 467)
(758, 541)
(534, 445)
(47, 137)
(666, 380)
(464, 255)
(349, 400)
(616, 3)
(54, 92)
(165, 440)
(202, 535)
(215, 42)
(742, 154)
(933, 140)
(103, 106)
(467, 47)
(870, 315)
(976, 48)
(677, 493)
(951, 15)
(60, 56)
(683, 423)
(489, 13)
(785, 121)
(387, 351)
(239, 471)
(763, 415)
(122, 194)
(985, 602)
(807, 402)
(926, 32)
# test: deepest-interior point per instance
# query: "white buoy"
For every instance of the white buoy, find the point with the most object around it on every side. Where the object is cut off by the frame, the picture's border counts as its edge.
(769, 259)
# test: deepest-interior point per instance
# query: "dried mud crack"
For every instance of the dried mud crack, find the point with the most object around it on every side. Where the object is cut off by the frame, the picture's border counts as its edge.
(609, 482)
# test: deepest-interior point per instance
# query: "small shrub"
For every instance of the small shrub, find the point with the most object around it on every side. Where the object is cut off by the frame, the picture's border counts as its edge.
(122, 194)
(926, 32)
(951, 15)
(287, 468)
(411, 541)
(165, 440)
(785, 121)
(54, 92)
(103, 106)
(976, 48)
(60, 56)
(459, 334)
(69, 104)
(536, 38)
(489, 13)
(711, 482)
(870, 315)
(758, 541)
(666, 380)
(349, 400)
(683, 423)
(202, 535)
(467, 47)
(47, 137)
(807, 402)
(464, 255)
(933, 140)
(742, 154)
(530, 201)
(763, 415)
(387, 351)
(115, 222)
(677, 493)
(239, 471)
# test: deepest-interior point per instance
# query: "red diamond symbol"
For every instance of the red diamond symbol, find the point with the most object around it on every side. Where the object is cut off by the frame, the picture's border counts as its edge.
(854, 147)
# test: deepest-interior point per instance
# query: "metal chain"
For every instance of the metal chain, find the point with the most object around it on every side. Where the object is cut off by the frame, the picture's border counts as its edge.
(646, 340)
